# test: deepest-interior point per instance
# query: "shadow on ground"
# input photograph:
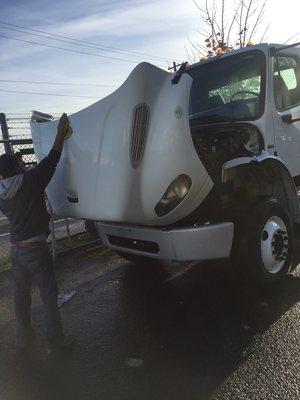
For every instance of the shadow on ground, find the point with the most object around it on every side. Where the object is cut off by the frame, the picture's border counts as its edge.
(189, 332)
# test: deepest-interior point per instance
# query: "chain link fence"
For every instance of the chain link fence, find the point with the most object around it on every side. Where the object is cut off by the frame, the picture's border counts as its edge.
(66, 233)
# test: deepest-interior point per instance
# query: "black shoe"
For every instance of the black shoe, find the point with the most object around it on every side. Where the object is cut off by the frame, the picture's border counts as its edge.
(66, 346)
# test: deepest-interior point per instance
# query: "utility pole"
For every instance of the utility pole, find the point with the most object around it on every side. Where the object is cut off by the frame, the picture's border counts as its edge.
(175, 66)
(5, 134)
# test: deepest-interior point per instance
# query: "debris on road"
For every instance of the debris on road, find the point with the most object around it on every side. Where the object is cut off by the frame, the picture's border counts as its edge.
(64, 297)
(264, 304)
(134, 362)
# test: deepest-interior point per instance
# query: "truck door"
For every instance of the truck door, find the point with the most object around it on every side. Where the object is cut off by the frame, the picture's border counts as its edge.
(286, 103)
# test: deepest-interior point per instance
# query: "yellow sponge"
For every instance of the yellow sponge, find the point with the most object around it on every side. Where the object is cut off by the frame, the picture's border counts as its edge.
(68, 129)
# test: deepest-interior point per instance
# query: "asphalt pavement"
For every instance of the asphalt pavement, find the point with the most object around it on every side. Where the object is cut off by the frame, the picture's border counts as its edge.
(178, 332)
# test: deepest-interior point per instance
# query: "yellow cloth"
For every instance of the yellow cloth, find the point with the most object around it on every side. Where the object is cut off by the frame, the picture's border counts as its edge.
(68, 129)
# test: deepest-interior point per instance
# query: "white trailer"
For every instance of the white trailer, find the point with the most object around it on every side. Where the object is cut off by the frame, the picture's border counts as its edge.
(200, 164)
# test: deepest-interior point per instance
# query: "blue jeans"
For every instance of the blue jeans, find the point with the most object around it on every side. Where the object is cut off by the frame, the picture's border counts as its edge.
(30, 264)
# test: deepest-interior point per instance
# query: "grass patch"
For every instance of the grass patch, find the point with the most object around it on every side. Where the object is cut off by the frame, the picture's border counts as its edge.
(74, 241)
(89, 255)
(98, 253)
(4, 262)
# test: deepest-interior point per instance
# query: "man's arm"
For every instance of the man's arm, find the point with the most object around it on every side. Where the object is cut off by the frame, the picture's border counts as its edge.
(44, 171)
(60, 136)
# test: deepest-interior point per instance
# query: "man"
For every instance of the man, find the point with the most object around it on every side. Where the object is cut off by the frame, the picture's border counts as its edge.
(22, 200)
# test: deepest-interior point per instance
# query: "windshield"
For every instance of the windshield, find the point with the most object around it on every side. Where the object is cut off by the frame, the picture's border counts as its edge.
(232, 88)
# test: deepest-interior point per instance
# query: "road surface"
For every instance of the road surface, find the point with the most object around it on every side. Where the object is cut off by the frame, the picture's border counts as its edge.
(150, 334)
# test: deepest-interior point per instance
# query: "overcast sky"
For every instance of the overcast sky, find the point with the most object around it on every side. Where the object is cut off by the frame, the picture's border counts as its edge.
(159, 28)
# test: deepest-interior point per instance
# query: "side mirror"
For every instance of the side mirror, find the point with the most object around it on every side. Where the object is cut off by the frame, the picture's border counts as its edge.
(288, 119)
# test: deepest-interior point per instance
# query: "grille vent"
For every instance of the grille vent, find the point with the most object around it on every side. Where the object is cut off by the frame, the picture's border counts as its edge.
(140, 124)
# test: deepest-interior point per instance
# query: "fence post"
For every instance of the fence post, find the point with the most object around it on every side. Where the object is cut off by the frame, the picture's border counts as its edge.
(68, 230)
(5, 134)
(52, 232)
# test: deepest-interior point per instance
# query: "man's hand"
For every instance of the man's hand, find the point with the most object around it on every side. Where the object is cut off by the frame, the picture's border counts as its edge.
(61, 132)
(62, 126)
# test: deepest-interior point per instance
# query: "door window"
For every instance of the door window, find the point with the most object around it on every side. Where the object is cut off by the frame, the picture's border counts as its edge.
(287, 81)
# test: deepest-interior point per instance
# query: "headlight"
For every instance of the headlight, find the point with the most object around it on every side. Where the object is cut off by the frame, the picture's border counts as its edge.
(174, 195)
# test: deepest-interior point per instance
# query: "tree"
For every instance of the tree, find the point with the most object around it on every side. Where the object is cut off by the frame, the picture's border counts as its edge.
(225, 28)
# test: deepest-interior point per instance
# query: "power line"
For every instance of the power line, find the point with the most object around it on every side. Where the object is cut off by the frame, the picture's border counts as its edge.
(70, 42)
(78, 42)
(48, 94)
(89, 44)
(56, 83)
(65, 49)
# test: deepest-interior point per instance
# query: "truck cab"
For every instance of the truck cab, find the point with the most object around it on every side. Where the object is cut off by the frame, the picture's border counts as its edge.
(200, 164)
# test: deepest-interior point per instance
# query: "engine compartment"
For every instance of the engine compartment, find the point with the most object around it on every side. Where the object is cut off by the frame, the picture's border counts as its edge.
(217, 144)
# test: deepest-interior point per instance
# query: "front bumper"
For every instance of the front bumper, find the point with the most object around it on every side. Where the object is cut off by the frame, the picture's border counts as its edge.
(199, 243)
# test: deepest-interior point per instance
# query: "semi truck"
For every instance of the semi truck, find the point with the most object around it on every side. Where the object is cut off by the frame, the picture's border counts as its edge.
(199, 164)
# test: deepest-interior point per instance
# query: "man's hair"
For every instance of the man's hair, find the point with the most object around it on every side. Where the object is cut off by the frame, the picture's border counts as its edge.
(8, 164)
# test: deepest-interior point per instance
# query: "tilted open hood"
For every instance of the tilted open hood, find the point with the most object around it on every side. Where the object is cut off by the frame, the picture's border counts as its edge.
(125, 151)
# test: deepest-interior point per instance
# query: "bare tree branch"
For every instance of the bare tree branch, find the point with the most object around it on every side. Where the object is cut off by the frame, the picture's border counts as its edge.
(258, 20)
(248, 7)
(222, 19)
(196, 46)
(264, 34)
(222, 30)
(241, 22)
(197, 5)
(233, 21)
(294, 37)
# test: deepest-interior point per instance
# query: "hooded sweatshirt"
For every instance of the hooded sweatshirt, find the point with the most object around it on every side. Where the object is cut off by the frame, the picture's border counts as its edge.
(22, 200)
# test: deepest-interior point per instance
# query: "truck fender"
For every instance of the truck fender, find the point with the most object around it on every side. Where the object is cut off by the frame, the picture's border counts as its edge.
(275, 163)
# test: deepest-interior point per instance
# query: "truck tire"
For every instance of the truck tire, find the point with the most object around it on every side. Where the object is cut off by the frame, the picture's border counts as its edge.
(135, 259)
(264, 242)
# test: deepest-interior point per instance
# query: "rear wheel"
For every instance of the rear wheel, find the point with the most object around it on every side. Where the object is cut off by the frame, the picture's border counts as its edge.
(264, 242)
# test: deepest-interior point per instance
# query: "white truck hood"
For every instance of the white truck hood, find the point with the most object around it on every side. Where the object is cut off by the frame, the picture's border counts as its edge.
(97, 167)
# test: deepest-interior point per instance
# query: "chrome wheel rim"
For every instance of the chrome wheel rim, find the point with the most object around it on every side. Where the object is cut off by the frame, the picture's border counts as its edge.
(274, 245)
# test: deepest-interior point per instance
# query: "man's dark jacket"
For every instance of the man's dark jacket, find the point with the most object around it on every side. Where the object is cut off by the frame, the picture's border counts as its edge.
(22, 199)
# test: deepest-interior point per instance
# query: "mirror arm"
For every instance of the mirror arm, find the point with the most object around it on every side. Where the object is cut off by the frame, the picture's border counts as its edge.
(288, 119)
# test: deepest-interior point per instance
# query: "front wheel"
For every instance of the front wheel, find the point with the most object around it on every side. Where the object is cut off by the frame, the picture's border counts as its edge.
(264, 242)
